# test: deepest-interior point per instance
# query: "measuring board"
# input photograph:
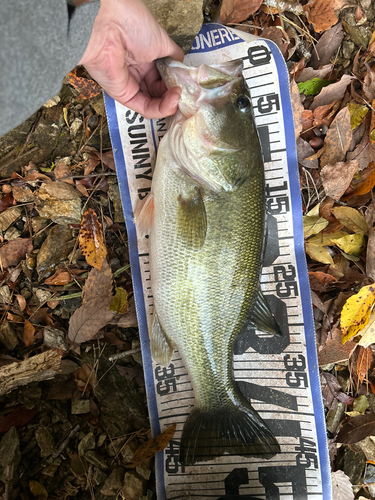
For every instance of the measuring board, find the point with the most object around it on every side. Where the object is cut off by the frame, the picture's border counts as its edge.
(279, 375)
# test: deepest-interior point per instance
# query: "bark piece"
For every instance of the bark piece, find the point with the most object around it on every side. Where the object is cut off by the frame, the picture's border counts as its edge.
(43, 366)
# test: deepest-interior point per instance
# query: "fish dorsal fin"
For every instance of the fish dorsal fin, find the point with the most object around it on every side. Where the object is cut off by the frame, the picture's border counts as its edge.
(262, 318)
(161, 346)
(191, 219)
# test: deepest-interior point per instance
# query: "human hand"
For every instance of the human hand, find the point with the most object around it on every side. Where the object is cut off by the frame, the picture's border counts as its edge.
(125, 42)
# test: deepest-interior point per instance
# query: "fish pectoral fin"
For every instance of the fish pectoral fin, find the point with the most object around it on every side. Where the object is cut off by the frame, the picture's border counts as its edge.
(161, 346)
(192, 219)
(144, 220)
(262, 318)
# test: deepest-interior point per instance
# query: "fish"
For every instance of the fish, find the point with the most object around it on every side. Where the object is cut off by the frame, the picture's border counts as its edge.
(205, 217)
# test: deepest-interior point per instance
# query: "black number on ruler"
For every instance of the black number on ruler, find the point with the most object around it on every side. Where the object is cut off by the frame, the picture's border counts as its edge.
(172, 453)
(167, 382)
(278, 205)
(289, 286)
(268, 103)
(259, 55)
(307, 453)
(294, 474)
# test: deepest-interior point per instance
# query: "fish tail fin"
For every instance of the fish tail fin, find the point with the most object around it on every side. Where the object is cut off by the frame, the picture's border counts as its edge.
(236, 430)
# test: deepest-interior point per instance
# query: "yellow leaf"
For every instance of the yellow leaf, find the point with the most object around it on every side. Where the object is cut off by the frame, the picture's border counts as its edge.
(357, 113)
(38, 490)
(148, 449)
(91, 240)
(351, 244)
(320, 254)
(356, 312)
(119, 302)
(313, 225)
(314, 212)
(325, 240)
(368, 332)
(351, 218)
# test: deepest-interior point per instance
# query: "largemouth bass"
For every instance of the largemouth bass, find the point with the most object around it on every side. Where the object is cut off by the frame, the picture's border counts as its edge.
(205, 216)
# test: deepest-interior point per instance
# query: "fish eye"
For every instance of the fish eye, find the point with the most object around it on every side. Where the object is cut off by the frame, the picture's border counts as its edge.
(243, 103)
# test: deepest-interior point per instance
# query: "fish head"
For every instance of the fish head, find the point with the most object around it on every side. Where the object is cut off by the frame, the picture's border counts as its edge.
(216, 122)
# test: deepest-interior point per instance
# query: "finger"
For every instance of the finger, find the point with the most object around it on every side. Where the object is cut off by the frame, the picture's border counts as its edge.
(155, 107)
(155, 85)
(175, 52)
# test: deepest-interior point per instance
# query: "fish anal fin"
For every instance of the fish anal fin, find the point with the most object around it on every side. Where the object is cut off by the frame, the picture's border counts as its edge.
(191, 219)
(144, 220)
(161, 346)
(262, 317)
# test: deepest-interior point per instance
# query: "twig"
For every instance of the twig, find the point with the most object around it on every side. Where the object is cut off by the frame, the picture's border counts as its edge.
(121, 355)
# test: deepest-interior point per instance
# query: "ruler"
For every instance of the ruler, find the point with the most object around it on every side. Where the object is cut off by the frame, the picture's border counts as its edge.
(278, 375)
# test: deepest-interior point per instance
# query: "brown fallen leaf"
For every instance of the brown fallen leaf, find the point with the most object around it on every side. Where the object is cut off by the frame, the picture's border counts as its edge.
(16, 417)
(337, 178)
(369, 83)
(357, 428)
(327, 45)
(106, 158)
(338, 139)
(297, 108)
(321, 13)
(332, 92)
(149, 449)
(91, 241)
(28, 333)
(320, 281)
(61, 277)
(87, 87)
(235, 11)
(370, 252)
(362, 183)
(94, 312)
(332, 392)
(86, 379)
(14, 251)
(61, 190)
(21, 302)
(334, 351)
(363, 362)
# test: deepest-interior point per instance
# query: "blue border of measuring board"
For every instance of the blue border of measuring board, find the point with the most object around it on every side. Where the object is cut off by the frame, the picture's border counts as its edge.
(215, 40)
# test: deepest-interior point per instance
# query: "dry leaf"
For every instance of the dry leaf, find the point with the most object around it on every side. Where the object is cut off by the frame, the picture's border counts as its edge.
(327, 45)
(87, 87)
(94, 313)
(356, 429)
(14, 251)
(363, 363)
(370, 252)
(334, 351)
(21, 302)
(341, 486)
(320, 254)
(61, 277)
(321, 14)
(61, 171)
(91, 240)
(86, 379)
(61, 190)
(332, 92)
(351, 244)
(356, 312)
(119, 302)
(338, 139)
(28, 333)
(149, 449)
(337, 178)
(368, 332)
(365, 184)
(297, 108)
(351, 218)
(332, 392)
(235, 11)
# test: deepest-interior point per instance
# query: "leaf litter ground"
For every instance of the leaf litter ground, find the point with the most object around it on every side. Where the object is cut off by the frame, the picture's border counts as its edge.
(73, 420)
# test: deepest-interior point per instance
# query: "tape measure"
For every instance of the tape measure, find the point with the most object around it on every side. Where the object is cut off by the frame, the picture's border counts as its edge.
(278, 375)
